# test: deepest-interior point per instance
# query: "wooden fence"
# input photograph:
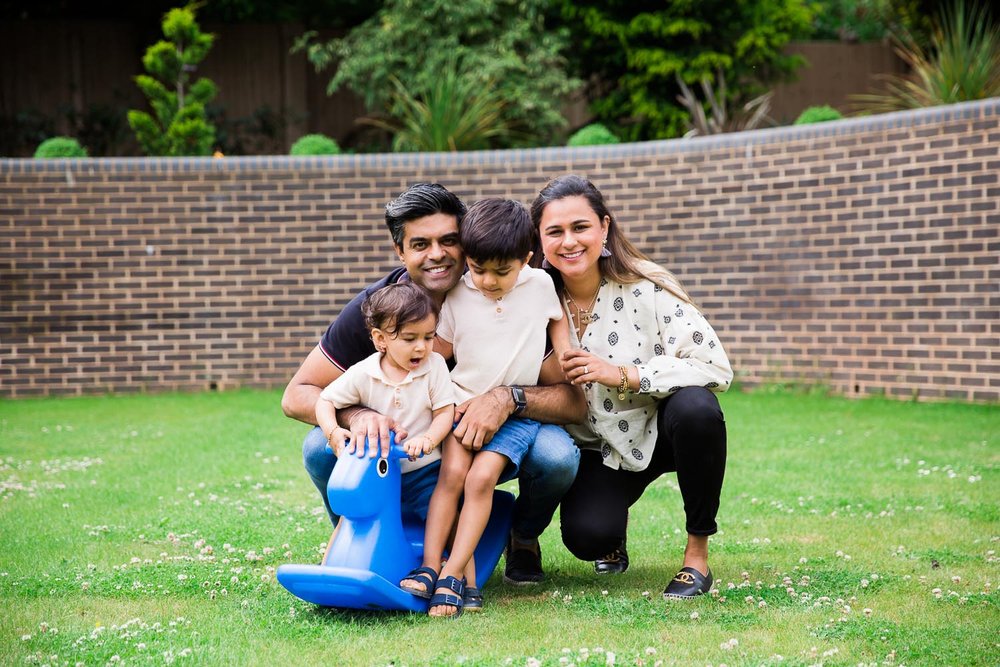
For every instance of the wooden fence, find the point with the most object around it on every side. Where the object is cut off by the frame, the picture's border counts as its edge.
(52, 69)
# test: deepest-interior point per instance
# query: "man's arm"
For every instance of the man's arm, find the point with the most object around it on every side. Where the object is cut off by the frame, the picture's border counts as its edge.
(302, 393)
(303, 390)
(553, 401)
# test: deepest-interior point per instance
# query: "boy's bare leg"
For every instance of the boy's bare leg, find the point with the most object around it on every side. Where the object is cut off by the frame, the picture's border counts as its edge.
(455, 464)
(479, 485)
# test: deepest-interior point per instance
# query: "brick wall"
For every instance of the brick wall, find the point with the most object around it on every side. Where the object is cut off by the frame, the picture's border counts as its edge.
(861, 254)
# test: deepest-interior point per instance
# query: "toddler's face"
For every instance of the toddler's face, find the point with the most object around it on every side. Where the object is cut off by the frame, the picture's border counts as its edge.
(496, 278)
(411, 345)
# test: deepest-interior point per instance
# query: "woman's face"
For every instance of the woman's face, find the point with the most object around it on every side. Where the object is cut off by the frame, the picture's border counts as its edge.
(572, 236)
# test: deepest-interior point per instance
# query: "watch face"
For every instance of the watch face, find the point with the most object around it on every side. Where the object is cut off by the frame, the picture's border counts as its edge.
(520, 401)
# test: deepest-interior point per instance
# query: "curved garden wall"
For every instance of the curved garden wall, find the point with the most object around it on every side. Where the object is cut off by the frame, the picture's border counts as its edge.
(861, 254)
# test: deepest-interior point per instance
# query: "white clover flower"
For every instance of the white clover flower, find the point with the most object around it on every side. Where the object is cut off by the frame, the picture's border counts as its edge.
(694, 616)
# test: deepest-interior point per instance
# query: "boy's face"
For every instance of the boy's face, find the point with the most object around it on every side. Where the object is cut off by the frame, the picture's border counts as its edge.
(431, 252)
(496, 278)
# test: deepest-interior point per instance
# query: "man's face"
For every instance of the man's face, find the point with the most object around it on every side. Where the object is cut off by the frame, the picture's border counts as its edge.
(431, 252)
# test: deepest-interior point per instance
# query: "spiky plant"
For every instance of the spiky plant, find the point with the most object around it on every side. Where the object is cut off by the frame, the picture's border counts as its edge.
(748, 116)
(457, 112)
(961, 63)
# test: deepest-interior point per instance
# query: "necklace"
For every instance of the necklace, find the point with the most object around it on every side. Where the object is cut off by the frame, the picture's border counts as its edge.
(585, 315)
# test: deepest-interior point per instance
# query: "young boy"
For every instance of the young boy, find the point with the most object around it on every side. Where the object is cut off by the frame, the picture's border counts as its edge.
(494, 324)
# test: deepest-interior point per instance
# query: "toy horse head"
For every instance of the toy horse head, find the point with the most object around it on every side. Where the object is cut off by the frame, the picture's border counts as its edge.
(361, 487)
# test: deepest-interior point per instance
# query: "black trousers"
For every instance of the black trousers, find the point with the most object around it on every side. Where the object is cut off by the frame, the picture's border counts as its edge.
(691, 440)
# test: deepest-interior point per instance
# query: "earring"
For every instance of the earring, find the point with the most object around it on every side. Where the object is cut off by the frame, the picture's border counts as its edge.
(545, 264)
(604, 249)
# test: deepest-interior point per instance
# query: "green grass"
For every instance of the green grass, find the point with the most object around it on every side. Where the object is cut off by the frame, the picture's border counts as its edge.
(149, 528)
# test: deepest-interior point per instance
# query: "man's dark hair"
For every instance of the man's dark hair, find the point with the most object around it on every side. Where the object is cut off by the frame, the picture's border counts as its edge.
(417, 201)
(396, 305)
(497, 229)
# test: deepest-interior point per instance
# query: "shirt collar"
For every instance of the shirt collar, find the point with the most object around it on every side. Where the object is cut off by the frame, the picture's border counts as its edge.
(371, 367)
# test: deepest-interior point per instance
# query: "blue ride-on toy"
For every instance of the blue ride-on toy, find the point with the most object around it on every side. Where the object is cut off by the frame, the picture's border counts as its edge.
(375, 545)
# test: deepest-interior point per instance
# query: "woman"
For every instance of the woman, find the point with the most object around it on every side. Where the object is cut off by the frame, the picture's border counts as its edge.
(649, 364)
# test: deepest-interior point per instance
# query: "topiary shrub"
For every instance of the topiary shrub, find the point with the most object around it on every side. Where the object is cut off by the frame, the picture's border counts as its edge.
(60, 147)
(818, 115)
(178, 124)
(315, 144)
(594, 134)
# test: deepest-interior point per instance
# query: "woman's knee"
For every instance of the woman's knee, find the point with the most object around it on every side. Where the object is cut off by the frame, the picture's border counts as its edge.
(693, 407)
(588, 539)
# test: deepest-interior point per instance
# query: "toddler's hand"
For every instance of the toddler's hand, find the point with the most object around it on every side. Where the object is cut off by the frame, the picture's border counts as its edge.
(338, 440)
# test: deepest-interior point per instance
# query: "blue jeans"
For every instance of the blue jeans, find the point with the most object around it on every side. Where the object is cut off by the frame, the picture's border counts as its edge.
(547, 472)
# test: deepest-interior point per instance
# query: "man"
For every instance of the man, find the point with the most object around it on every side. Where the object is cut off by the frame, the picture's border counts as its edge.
(424, 222)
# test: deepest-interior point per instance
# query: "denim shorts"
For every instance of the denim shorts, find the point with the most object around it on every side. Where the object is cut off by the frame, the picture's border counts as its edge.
(513, 440)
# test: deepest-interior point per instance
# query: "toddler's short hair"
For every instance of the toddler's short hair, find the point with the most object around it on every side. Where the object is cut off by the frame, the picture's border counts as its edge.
(497, 229)
(394, 306)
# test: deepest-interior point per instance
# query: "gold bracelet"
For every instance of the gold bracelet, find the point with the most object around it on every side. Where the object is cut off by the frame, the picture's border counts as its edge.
(623, 383)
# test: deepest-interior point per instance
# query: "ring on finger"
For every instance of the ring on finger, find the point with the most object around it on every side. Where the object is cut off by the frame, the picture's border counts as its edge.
(586, 370)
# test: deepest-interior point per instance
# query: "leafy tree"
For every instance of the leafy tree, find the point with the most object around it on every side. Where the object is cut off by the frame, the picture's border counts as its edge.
(179, 124)
(503, 46)
(632, 53)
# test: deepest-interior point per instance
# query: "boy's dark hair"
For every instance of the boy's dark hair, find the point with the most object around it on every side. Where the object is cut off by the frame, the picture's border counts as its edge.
(417, 201)
(497, 229)
(396, 305)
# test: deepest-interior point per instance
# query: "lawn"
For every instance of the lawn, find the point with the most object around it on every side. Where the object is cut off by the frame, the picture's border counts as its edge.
(147, 529)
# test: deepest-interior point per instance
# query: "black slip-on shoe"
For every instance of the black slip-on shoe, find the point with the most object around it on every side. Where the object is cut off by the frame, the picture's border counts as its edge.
(615, 562)
(522, 567)
(688, 583)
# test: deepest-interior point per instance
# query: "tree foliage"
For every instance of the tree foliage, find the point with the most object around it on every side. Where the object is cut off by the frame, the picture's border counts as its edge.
(502, 45)
(634, 51)
(178, 124)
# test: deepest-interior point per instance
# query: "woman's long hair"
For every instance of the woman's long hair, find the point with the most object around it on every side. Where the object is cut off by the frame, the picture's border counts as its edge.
(626, 264)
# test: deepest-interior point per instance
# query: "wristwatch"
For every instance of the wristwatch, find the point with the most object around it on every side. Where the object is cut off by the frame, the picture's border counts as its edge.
(520, 401)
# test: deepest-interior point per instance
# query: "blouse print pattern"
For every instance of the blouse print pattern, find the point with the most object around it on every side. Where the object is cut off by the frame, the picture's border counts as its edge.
(671, 344)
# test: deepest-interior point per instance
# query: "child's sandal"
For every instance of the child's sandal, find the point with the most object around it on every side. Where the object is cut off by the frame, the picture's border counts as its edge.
(448, 599)
(472, 599)
(422, 575)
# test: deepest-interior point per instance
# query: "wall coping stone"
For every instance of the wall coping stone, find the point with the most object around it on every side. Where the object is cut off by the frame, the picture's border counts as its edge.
(899, 119)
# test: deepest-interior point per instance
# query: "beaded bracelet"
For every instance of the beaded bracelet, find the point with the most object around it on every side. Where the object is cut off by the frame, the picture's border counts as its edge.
(623, 383)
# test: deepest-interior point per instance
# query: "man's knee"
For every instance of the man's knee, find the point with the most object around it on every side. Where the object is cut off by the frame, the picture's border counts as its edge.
(552, 456)
(316, 456)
